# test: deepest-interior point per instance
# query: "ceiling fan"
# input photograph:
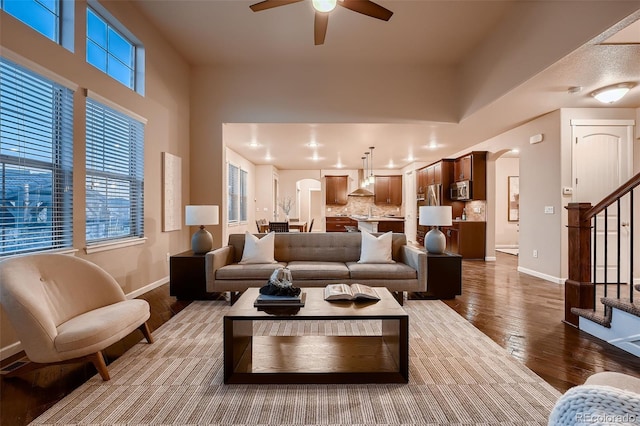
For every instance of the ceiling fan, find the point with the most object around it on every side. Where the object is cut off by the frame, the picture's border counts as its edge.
(322, 9)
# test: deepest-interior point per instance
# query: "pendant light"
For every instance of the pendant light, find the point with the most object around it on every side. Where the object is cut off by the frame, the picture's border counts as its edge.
(371, 177)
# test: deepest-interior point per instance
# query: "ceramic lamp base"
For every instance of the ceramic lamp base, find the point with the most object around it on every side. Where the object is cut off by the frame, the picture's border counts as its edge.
(434, 241)
(202, 241)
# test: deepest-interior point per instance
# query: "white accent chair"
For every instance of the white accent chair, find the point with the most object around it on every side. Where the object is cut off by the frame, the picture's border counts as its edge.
(67, 309)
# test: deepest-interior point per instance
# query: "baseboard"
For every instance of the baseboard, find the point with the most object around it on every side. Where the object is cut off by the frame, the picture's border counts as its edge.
(147, 288)
(10, 350)
(490, 259)
(507, 246)
(545, 277)
(16, 347)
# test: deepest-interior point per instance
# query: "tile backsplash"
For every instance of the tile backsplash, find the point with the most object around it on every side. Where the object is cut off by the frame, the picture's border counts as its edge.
(361, 206)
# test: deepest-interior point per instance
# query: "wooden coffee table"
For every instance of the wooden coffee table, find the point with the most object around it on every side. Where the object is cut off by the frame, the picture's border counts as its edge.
(317, 359)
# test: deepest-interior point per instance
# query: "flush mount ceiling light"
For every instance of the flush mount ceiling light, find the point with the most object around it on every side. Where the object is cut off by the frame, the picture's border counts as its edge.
(610, 94)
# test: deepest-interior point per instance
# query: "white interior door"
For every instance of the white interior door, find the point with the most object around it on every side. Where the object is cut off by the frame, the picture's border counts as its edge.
(602, 161)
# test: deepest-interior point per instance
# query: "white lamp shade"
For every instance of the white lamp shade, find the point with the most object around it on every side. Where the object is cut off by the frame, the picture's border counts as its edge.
(435, 216)
(201, 215)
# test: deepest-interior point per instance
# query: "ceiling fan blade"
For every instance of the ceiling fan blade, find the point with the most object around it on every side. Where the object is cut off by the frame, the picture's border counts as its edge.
(367, 7)
(320, 27)
(268, 4)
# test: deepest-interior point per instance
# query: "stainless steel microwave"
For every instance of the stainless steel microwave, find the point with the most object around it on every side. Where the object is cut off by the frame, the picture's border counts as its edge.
(461, 191)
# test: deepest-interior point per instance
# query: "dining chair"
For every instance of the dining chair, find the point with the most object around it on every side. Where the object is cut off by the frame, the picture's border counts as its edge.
(311, 224)
(278, 226)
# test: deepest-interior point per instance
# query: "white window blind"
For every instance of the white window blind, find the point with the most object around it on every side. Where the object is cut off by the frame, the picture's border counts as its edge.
(234, 193)
(243, 195)
(36, 161)
(115, 175)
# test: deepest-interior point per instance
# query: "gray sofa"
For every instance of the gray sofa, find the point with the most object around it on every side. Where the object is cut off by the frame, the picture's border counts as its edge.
(315, 260)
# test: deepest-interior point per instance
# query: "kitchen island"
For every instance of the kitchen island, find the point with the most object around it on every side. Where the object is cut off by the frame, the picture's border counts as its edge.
(380, 223)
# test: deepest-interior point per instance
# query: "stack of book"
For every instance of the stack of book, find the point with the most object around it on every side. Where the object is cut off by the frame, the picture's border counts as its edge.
(269, 301)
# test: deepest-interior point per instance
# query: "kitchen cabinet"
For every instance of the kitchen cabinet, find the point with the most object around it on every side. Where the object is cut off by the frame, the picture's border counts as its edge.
(466, 239)
(388, 190)
(336, 190)
(473, 168)
(339, 223)
(421, 183)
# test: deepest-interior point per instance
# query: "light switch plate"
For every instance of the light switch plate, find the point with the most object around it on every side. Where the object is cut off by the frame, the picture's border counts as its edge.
(548, 209)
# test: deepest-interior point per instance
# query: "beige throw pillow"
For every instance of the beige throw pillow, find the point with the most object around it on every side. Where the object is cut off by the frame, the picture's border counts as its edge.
(258, 250)
(376, 249)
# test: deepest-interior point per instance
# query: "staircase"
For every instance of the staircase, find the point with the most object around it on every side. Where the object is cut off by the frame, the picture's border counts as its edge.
(610, 308)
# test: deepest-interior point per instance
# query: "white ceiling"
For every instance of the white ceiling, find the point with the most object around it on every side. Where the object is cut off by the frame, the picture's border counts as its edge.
(421, 32)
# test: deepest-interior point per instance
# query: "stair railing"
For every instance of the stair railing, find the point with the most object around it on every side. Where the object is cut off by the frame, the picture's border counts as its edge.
(580, 291)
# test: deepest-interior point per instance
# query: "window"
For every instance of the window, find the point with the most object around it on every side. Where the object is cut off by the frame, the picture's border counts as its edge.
(36, 161)
(243, 195)
(234, 192)
(115, 174)
(41, 15)
(113, 49)
(237, 194)
(51, 18)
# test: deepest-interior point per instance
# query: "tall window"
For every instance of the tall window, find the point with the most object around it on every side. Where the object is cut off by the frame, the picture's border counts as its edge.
(112, 49)
(234, 193)
(36, 161)
(237, 202)
(51, 18)
(115, 174)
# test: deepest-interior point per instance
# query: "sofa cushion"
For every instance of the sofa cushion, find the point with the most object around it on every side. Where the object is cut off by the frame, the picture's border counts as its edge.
(376, 249)
(310, 270)
(258, 250)
(392, 271)
(250, 271)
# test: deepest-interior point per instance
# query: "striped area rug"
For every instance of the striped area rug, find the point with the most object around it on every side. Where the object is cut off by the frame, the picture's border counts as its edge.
(457, 376)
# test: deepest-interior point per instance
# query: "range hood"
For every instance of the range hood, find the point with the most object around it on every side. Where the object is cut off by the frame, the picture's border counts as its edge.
(361, 192)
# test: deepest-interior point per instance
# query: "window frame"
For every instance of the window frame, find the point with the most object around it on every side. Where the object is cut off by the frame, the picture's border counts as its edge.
(135, 175)
(64, 22)
(237, 201)
(60, 224)
(138, 50)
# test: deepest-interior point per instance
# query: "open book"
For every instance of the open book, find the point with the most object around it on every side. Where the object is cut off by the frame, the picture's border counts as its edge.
(349, 292)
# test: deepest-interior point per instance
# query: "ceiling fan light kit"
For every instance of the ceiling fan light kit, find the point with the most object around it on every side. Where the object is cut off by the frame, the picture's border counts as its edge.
(324, 7)
(611, 94)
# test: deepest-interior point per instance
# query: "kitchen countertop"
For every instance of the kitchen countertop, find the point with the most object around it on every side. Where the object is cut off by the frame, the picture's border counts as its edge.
(377, 219)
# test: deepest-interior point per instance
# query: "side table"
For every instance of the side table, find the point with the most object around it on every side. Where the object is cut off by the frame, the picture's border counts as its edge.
(444, 277)
(187, 276)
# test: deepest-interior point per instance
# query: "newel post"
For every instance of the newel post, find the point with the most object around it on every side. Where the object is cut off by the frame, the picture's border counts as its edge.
(578, 288)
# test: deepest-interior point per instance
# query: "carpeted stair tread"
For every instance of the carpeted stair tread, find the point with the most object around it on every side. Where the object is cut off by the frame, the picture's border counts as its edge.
(591, 315)
(622, 304)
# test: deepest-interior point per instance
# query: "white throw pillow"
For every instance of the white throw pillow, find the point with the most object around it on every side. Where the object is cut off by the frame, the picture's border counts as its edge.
(376, 249)
(258, 250)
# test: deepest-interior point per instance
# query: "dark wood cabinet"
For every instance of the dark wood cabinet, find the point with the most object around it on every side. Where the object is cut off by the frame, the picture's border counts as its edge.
(336, 188)
(187, 276)
(388, 190)
(466, 239)
(339, 223)
(421, 183)
(473, 168)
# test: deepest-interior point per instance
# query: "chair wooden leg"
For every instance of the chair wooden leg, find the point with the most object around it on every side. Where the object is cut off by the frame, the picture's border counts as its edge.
(145, 331)
(98, 361)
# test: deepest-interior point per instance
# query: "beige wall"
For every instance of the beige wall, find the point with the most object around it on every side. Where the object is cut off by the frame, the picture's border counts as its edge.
(165, 106)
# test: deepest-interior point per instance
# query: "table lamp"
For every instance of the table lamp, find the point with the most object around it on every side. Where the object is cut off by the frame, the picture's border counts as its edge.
(202, 241)
(435, 216)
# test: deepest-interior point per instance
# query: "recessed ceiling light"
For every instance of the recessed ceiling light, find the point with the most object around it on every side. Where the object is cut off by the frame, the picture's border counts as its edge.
(611, 94)
(254, 144)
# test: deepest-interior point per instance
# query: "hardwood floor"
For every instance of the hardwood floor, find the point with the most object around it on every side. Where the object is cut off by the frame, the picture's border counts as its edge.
(520, 312)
